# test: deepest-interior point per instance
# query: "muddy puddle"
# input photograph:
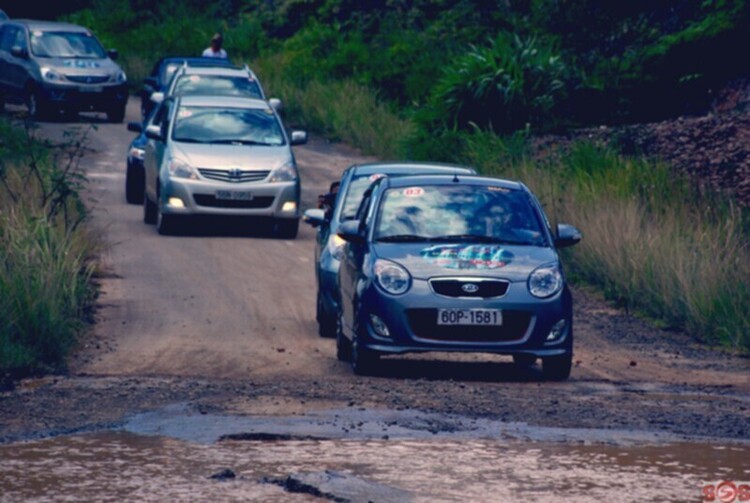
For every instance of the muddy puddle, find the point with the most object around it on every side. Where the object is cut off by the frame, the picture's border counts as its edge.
(172, 455)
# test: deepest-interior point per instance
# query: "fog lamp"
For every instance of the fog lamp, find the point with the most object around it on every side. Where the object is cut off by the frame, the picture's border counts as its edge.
(558, 331)
(176, 202)
(379, 326)
(289, 206)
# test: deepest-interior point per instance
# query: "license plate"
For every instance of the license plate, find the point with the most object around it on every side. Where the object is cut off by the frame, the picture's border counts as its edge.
(481, 317)
(234, 195)
(91, 89)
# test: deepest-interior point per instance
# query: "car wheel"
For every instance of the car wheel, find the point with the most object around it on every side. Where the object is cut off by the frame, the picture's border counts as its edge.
(343, 345)
(326, 322)
(116, 114)
(36, 104)
(524, 360)
(363, 361)
(134, 180)
(166, 224)
(557, 368)
(287, 228)
(149, 210)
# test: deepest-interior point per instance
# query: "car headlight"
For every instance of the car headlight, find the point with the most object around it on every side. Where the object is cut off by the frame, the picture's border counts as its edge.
(180, 169)
(284, 173)
(336, 246)
(136, 153)
(120, 77)
(545, 281)
(50, 75)
(392, 277)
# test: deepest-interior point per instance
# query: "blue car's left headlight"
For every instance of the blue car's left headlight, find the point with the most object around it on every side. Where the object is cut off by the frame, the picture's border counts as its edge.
(391, 277)
(546, 281)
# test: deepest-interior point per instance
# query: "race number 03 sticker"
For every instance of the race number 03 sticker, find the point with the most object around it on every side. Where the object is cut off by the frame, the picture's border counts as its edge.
(726, 491)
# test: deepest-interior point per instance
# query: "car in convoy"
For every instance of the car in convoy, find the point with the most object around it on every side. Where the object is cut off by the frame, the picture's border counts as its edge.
(163, 70)
(3, 16)
(56, 67)
(214, 155)
(454, 263)
(340, 205)
(135, 177)
(215, 81)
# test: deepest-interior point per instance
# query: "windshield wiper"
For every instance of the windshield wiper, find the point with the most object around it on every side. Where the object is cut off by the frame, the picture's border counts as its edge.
(402, 238)
(479, 238)
(188, 140)
(241, 142)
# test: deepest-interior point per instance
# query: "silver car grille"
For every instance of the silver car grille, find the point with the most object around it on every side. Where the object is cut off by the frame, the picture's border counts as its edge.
(233, 175)
(88, 79)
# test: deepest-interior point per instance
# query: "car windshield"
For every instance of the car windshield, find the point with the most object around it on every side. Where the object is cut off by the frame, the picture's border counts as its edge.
(64, 44)
(217, 85)
(169, 70)
(240, 126)
(458, 213)
(357, 187)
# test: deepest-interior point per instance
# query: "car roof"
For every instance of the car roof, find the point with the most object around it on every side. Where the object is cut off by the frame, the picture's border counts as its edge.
(223, 101)
(194, 61)
(406, 167)
(473, 180)
(33, 24)
(228, 71)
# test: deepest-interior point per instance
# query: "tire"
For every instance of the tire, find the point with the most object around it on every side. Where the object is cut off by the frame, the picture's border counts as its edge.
(557, 368)
(524, 360)
(362, 360)
(343, 345)
(149, 210)
(134, 181)
(326, 322)
(287, 228)
(116, 114)
(36, 104)
(166, 224)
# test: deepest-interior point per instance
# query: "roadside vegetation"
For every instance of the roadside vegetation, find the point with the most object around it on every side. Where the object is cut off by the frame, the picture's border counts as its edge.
(463, 81)
(45, 254)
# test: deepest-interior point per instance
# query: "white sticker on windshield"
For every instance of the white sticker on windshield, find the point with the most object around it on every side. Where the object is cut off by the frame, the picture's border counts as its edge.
(184, 113)
(195, 78)
(37, 33)
(413, 192)
(376, 176)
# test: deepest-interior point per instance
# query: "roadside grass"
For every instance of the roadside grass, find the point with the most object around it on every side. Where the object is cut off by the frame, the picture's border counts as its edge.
(45, 254)
(650, 242)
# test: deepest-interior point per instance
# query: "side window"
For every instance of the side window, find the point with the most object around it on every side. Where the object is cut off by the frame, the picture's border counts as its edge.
(7, 37)
(20, 40)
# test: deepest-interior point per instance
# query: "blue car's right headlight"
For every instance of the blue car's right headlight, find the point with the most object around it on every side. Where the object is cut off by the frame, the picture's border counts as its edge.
(391, 277)
(545, 281)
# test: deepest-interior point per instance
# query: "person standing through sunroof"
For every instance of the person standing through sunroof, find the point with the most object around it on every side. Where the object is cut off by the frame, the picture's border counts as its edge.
(215, 50)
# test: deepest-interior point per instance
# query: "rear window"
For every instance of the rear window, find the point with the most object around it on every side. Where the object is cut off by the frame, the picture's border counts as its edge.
(188, 85)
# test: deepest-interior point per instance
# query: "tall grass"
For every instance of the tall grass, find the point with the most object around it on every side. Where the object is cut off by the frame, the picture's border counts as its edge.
(649, 242)
(45, 255)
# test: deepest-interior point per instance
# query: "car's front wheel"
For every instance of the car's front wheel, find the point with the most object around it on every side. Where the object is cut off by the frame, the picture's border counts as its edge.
(557, 368)
(326, 322)
(363, 360)
(166, 224)
(116, 114)
(36, 104)
(343, 345)
(134, 181)
(149, 210)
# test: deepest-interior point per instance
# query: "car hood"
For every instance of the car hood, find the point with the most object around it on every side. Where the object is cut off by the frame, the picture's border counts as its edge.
(428, 260)
(77, 66)
(249, 157)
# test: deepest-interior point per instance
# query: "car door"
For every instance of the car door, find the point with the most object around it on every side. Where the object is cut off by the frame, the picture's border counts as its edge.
(156, 149)
(14, 69)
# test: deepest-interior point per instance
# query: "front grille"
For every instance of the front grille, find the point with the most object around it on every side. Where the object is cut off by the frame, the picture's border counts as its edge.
(211, 201)
(423, 323)
(88, 79)
(233, 175)
(484, 288)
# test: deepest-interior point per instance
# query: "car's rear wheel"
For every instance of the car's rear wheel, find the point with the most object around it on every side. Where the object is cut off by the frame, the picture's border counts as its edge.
(149, 210)
(134, 180)
(326, 322)
(524, 360)
(287, 228)
(363, 360)
(116, 114)
(557, 368)
(343, 345)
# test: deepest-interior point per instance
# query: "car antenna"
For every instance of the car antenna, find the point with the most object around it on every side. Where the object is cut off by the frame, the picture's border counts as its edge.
(455, 177)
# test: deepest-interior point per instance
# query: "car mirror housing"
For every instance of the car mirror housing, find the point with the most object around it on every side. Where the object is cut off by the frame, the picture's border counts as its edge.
(157, 97)
(276, 104)
(349, 232)
(113, 54)
(135, 127)
(19, 52)
(154, 132)
(567, 235)
(299, 137)
(314, 217)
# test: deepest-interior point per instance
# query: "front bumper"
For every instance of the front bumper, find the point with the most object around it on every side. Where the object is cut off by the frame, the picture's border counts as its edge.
(412, 322)
(100, 97)
(199, 197)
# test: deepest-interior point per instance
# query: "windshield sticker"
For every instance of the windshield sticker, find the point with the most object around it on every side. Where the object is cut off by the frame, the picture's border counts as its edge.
(376, 177)
(184, 113)
(38, 33)
(498, 189)
(195, 78)
(467, 257)
(414, 192)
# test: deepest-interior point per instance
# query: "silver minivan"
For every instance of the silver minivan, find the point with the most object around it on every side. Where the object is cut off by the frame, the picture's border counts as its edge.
(53, 67)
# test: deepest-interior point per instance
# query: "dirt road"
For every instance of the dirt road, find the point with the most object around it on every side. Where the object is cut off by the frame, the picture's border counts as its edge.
(223, 319)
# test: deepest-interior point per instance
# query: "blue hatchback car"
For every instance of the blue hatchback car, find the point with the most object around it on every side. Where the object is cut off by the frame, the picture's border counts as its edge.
(341, 204)
(454, 263)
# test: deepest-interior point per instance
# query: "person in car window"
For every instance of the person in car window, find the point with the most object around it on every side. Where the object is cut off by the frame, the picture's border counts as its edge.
(215, 50)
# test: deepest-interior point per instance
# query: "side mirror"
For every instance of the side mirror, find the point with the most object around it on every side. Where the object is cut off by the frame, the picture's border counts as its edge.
(135, 127)
(299, 137)
(150, 82)
(154, 132)
(567, 235)
(314, 217)
(157, 97)
(276, 104)
(349, 232)
(19, 52)
(113, 54)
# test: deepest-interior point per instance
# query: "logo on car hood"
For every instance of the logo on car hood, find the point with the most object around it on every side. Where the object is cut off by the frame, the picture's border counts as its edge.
(470, 288)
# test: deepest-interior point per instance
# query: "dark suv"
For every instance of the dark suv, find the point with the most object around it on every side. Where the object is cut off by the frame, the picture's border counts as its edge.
(56, 67)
